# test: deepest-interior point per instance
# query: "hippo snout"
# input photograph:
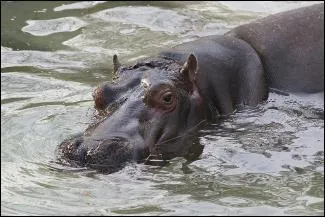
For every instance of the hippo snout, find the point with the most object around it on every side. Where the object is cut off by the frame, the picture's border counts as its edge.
(69, 151)
(109, 154)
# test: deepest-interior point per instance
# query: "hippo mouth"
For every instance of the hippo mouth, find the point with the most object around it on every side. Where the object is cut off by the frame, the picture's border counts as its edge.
(106, 155)
(111, 154)
(187, 145)
(161, 158)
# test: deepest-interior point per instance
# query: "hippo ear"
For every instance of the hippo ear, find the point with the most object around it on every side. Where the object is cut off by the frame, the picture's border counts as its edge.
(116, 64)
(190, 67)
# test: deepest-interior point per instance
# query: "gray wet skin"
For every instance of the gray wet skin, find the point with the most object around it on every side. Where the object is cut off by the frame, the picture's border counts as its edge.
(157, 106)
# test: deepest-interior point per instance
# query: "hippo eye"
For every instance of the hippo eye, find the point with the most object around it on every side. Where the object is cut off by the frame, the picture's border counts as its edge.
(162, 98)
(167, 98)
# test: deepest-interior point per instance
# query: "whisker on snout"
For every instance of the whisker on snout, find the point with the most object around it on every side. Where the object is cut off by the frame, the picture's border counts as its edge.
(177, 137)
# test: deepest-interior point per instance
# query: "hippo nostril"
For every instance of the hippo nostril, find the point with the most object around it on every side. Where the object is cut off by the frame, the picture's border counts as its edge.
(72, 152)
(77, 142)
(71, 147)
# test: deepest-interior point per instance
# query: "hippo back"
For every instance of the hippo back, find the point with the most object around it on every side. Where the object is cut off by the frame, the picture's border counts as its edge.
(291, 47)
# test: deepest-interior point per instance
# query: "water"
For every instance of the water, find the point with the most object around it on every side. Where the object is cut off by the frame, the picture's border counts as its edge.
(264, 161)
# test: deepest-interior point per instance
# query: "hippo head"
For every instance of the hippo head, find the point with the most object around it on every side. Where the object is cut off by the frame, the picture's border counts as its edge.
(175, 110)
(153, 112)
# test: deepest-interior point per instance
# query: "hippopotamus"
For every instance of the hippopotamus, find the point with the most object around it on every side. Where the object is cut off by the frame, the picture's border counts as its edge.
(155, 108)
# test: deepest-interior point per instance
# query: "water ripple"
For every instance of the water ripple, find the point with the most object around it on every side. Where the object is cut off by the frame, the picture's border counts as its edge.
(48, 27)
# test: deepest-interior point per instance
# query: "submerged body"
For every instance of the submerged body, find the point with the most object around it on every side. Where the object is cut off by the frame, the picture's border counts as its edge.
(158, 105)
